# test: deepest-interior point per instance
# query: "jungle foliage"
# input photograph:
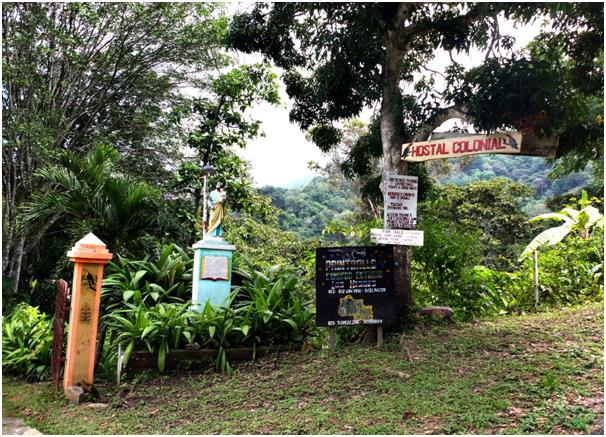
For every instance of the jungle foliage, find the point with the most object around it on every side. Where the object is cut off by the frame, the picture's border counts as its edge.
(79, 74)
(27, 340)
(474, 236)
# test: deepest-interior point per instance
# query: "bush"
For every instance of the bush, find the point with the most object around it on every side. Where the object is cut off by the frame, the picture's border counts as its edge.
(264, 245)
(442, 264)
(485, 292)
(273, 304)
(489, 209)
(571, 272)
(169, 279)
(158, 328)
(27, 339)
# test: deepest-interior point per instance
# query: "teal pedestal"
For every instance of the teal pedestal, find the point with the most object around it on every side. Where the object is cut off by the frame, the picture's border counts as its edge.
(212, 272)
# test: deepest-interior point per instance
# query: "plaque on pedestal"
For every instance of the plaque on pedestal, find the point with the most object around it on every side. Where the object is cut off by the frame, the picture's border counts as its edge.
(212, 272)
(215, 268)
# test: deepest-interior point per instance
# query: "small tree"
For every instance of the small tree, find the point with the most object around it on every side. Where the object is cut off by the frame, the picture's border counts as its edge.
(221, 124)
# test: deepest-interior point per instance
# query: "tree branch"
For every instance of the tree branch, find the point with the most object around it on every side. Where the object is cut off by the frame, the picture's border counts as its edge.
(445, 114)
(424, 27)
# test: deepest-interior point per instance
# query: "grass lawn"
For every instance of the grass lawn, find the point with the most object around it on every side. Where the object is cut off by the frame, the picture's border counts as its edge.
(520, 374)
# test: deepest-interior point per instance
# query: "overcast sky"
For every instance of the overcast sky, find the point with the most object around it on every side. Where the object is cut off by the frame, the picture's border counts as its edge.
(280, 157)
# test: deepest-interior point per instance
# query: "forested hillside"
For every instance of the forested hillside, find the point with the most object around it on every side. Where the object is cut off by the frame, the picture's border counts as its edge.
(307, 210)
(529, 170)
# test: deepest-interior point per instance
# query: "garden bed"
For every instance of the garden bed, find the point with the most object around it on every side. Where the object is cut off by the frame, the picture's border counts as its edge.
(141, 360)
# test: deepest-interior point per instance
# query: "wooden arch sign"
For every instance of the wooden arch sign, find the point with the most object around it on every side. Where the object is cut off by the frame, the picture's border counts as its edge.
(454, 144)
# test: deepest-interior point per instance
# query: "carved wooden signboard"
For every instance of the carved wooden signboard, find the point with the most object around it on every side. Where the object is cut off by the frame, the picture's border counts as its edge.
(59, 331)
(452, 145)
(354, 285)
(215, 268)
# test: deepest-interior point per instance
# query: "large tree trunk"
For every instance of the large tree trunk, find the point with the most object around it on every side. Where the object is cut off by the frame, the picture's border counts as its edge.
(391, 138)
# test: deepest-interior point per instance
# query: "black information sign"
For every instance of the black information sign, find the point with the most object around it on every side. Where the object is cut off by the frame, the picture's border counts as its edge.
(354, 285)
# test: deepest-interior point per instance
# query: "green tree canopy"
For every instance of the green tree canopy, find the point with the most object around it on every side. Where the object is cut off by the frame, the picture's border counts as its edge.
(76, 74)
(222, 124)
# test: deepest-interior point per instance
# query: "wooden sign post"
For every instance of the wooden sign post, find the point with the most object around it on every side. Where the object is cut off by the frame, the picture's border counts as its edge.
(89, 255)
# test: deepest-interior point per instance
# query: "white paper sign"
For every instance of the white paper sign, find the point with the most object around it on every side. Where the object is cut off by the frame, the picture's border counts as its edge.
(397, 236)
(401, 202)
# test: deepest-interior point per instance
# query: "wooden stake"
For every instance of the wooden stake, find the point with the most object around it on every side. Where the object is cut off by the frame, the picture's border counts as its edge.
(535, 261)
(332, 333)
(119, 365)
(379, 336)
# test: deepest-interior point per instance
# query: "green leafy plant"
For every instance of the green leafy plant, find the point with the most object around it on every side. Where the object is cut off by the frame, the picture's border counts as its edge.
(571, 272)
(145, 308)
(87, 193)
(166, 280)
(580, 221)
(159, 328)
(273, 303)
(27, 340)
(442, 262)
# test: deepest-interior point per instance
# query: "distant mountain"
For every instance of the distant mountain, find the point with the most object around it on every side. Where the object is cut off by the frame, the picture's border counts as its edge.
(300, 182)
(307, 210)
(530, 170)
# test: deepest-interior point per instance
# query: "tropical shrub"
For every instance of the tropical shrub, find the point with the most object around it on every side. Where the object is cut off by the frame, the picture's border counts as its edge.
(159, 328)
(578, 222)
(485, 292)
(572, 271)
(169, 279)
(440, 265)
(264, 244)
(570, 257)
(84, 193)
(27, 339)
(274, 305)
(492, 210)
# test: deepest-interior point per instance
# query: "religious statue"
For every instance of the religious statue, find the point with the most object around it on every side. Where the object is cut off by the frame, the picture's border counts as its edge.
(216, 203)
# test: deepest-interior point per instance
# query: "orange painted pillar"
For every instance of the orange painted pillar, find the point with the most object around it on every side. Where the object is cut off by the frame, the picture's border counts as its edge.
(90, 256)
